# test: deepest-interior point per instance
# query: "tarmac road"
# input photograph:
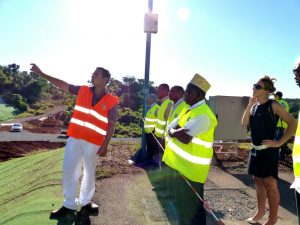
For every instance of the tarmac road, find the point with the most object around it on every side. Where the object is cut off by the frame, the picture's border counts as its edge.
(25, 135)
(28, 136)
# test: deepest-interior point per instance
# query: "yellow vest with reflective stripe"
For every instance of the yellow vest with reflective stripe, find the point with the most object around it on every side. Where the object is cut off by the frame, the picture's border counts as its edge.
(173, 115)
(151, 119)
(296, 151)
(193, 159)
(161, 121)
(281, 123)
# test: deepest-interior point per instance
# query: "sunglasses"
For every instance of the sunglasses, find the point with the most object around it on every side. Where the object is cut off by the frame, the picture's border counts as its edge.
(258, 86)
(296, 71)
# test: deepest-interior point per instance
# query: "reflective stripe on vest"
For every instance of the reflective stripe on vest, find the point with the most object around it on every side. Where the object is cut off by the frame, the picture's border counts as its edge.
(88, 125)
(92, 112)
(89, 122)
(150, 119)
(296, 151)
(189, 157)
(193, 159)
(173, 115)
(161, 122)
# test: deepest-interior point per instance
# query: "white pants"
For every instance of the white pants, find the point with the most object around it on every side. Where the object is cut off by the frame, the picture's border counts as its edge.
(76, 152)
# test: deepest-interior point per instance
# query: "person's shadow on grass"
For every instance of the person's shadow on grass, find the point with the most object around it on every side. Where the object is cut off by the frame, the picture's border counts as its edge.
(76, 219)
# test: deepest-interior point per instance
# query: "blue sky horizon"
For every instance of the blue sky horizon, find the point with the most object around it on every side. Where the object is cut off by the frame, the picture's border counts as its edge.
(231, 43)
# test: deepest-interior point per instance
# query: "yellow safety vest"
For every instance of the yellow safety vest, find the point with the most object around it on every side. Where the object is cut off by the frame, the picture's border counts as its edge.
(161, 121)
(296, 151)
(281, 123)
(173, 115)
(151, 119)
(193, 159)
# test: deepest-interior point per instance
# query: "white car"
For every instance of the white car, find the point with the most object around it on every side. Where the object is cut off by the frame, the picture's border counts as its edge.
(16, 127)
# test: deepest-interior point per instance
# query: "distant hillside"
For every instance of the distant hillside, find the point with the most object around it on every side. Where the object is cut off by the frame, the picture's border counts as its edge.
(294, 104)
(6, 112)
(32, 95)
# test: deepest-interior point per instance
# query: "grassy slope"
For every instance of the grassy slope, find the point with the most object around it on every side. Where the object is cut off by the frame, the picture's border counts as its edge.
(6, 112)
(30, 188)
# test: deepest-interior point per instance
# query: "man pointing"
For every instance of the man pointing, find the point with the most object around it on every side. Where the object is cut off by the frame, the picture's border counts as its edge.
(91, 128)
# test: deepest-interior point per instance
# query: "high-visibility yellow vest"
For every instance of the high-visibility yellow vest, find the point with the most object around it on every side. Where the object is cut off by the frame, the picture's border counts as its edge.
(281, 123)
(161, 121)
(174, 113)
(151, 118)
(296, 151)
(193, 159)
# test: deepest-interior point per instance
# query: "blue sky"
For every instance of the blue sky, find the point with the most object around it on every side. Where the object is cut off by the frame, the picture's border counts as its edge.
(232, 43)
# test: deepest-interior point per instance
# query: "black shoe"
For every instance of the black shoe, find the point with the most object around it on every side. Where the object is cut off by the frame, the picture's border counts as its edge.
(89, 209)
(62, 211)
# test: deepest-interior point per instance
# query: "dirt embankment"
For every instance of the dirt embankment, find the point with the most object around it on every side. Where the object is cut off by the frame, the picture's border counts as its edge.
(15, 149)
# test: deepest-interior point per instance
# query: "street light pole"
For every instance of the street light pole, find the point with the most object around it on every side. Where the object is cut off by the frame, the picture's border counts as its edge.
(146, 81)
(141, 155)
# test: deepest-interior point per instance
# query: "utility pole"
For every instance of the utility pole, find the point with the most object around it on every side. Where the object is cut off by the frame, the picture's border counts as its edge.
(150, 26)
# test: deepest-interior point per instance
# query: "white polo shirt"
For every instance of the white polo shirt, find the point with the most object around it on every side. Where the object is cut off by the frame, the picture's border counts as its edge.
(197, 125)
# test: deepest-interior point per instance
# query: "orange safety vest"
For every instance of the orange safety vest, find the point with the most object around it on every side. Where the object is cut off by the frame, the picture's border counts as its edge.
(90, 122)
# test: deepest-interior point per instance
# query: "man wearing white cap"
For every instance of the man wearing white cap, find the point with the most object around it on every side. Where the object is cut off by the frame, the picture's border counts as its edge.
(189, 151)
(296, 149)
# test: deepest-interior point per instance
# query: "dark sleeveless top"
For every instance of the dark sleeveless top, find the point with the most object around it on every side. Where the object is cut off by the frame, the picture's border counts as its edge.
(263, 163)
(262, 123)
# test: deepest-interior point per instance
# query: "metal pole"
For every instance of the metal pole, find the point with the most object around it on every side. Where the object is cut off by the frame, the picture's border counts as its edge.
(142, 154)
(146, 80)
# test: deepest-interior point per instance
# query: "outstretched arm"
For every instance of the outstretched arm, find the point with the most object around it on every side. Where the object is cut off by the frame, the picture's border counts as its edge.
(57, 82)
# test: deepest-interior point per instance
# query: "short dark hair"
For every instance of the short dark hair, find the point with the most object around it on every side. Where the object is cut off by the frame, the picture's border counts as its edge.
(179, 89)
(279, 94)
(165, 86)
(105, 73)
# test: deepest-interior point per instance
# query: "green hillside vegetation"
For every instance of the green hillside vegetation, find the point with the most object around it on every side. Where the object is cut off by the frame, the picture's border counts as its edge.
(28, 93)
(7, 112)
(33, 95)
(294, 104)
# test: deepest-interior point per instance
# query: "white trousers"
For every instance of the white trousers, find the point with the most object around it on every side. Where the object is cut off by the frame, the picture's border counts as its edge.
(78, 151)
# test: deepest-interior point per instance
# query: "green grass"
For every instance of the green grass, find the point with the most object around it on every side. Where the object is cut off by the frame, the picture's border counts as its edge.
(30, 188)
(6, 112)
